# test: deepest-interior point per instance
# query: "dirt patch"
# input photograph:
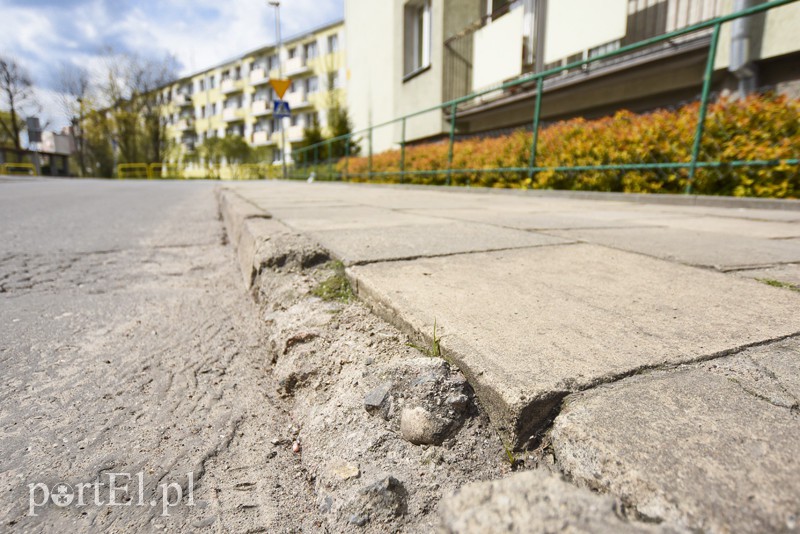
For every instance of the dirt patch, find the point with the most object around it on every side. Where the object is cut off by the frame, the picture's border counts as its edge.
(383, 430)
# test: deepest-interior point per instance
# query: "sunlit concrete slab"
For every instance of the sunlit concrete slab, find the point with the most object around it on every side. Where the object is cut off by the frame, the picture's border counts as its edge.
(442, 238)
(693, 247)
(532, 325)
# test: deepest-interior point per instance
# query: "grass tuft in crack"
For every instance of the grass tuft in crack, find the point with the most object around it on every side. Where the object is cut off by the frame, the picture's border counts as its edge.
(435, 351)
(336, 287)
(778, 283)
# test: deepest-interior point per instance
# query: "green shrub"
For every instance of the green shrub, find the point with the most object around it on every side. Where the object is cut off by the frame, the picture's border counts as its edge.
(760, 127)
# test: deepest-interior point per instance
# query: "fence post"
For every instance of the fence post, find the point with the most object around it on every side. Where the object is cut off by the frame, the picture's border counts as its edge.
(316, 158)
(535, 138)
(369, 168)
(701, 119)
(452, 140)
(330, 160)
(402, 149)
(346, 157)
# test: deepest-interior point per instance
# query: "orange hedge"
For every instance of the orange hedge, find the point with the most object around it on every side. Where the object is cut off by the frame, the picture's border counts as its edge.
(761, 127)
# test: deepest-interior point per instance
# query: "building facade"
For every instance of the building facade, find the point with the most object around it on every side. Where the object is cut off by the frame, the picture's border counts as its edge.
(236, 99)
(409, 55)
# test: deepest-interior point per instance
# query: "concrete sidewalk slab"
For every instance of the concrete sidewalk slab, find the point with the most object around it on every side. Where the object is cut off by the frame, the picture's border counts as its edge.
(550, 220)
(711, 447)
(707, 249)
(347, 218)
(529, 326)
(729, 225)
(442, 238)
(785, 274)
(774, 215)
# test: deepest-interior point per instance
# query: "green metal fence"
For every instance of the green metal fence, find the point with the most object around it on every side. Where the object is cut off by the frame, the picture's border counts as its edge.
(329, 163)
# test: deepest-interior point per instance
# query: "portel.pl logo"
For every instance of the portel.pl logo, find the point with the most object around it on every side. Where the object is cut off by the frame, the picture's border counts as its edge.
(113, 489)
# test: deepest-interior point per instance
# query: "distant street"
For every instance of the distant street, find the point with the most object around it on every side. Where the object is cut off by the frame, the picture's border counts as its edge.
(128, 346)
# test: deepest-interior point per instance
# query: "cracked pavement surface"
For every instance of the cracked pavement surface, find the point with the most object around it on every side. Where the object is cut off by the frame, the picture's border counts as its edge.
(129, 346)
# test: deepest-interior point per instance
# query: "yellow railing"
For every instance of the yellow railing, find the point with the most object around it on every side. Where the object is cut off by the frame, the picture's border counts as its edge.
(18, 169)
(164, 170)
(133, 170)
(168, 171)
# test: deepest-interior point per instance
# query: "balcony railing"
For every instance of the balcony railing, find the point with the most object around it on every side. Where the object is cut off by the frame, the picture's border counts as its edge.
(232, 114)
(231, 85)
(262, 138)
(294, 133)
(262, 107)
(182, 99)
(295, 65)
(645, 20)
(297, 99)
(258, 76)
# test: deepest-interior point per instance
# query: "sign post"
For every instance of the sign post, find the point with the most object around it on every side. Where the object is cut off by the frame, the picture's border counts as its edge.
(280, 85)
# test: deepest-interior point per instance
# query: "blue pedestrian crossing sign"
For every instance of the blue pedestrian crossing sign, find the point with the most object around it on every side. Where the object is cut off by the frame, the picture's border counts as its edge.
(281, 109)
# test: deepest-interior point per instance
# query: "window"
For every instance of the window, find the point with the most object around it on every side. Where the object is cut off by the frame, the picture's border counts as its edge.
(272, 62)
(310, 50)
(276, 156)
(416, 37)
(292, 52)
(201, 85)
(333, 43)
(212, 81)
(312, 85)
(335, 80)
(496, 8)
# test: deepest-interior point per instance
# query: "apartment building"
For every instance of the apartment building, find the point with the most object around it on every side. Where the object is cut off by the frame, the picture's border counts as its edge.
(422, 52)
(235, 97)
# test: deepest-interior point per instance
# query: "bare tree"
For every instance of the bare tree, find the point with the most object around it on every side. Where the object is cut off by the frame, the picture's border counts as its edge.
(146, 78)
(74, 85)
(132, 94)
(16, 90)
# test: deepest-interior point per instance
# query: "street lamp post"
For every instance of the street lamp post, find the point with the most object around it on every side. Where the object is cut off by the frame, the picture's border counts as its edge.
(277, 5)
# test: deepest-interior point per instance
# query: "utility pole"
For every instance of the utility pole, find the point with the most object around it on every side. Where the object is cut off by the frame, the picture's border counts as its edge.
(277, 5)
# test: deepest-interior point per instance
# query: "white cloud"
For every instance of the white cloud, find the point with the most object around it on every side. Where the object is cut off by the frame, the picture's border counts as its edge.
(200, 33)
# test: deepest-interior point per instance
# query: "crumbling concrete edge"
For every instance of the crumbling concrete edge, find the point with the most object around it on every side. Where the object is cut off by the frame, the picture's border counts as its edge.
(235, 211)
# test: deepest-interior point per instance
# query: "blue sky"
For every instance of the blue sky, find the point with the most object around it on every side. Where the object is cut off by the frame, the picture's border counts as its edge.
(44, 34)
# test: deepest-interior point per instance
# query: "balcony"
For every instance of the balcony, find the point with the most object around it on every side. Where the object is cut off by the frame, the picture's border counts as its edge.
(295, 65)
(262, 138)
(262, 107)
(232, 114)
(182, 99)
(297, 99)
(294, 133)
(231, 85)
(259, 77)
(186, 123)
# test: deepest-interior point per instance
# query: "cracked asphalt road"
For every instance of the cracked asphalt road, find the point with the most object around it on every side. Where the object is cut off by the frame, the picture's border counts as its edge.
(128, 346)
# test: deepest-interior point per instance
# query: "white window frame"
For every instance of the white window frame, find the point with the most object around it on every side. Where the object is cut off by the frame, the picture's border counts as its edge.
(416, 38)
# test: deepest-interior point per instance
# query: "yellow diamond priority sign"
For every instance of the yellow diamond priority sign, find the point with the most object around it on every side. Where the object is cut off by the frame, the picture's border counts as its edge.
(280, 86)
